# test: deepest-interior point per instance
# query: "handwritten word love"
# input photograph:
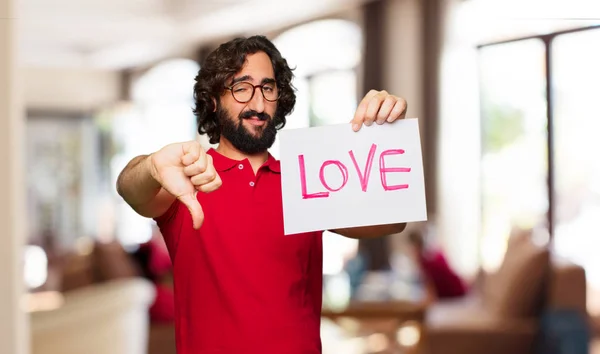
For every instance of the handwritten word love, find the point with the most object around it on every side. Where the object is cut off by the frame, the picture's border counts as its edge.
(363, 175)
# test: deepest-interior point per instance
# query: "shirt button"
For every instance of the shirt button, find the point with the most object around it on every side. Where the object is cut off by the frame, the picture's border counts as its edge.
(251, 184)
(240, 166)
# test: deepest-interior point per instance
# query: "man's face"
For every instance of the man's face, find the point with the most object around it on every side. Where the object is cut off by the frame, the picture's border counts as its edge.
(249, 126)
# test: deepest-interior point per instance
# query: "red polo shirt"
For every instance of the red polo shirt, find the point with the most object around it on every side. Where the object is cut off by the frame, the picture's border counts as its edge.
(241, 285)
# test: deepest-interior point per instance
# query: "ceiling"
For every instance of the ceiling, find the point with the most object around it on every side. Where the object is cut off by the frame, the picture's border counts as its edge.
(116, 34)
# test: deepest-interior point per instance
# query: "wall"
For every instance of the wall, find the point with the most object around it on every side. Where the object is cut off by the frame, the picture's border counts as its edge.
(13, 323)
(69, 89)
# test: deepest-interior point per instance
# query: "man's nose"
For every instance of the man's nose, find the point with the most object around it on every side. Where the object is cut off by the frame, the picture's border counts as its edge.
(257, 103)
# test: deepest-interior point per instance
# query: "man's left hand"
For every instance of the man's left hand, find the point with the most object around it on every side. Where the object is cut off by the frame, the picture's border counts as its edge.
(378, 107)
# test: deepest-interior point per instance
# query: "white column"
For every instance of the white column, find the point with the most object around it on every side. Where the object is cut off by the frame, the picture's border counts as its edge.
(402, 58)
(14, 335)
(402, 74)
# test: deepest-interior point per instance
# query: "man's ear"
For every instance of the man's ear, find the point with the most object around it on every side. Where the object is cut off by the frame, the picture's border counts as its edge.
(214, 101)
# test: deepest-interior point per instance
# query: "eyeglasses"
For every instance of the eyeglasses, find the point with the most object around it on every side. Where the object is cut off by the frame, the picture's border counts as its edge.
(243, 92)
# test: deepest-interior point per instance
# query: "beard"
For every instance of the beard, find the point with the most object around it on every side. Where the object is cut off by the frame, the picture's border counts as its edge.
(249, 142)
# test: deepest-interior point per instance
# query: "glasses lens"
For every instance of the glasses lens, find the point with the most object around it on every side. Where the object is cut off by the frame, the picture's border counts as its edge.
(243, 91)
(270, 92)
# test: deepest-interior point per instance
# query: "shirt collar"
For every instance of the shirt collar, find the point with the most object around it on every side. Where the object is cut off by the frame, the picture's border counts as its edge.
(224, 163)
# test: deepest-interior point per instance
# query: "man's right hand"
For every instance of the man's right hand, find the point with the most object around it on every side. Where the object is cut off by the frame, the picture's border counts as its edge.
(183, 169)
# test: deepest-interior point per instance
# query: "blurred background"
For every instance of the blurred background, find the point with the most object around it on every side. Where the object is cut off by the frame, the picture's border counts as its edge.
(505, 94)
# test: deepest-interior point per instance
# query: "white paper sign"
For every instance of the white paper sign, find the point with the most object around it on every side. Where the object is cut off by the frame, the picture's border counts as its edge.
(333, 177)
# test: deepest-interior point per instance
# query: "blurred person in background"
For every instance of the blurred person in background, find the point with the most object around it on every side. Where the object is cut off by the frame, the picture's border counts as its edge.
(441, 280)
(241, 285)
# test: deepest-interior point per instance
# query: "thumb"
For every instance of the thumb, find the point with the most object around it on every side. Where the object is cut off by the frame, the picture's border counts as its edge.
(190, 201)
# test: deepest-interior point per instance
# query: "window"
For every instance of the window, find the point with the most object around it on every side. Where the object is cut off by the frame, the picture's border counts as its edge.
(539, 144)
(514, 143)
(463, 111)
(576, 74)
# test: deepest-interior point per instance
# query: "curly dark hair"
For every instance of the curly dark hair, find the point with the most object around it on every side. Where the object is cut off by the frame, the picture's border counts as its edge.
(221, 65)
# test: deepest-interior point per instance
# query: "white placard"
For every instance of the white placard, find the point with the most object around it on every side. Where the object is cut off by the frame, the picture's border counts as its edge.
(333, 177)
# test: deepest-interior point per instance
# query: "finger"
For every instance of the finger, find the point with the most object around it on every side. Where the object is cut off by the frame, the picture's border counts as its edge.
(374, 106)
(203, 178)
(211, 186)
(192, 151)
(399, 110)
(359, 115)
(191, 202)
(385, 109)
(199, 166)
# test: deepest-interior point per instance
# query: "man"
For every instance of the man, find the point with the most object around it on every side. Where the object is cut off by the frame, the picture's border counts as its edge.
(241, 286)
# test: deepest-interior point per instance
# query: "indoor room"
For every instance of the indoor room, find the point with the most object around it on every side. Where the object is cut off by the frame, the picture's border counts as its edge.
(504, 261)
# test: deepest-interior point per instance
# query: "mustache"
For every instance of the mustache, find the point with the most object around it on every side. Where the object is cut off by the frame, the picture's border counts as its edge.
(251, 113)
